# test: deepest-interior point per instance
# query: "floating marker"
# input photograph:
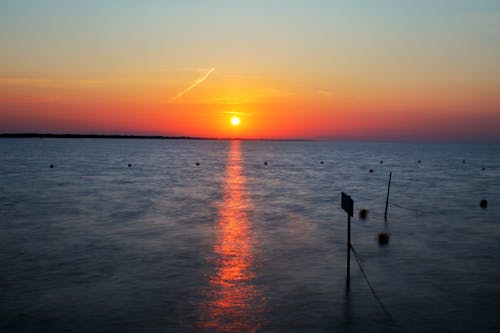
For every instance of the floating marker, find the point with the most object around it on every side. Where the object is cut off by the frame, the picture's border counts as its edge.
(197, 163)
(129, 165)
(483, 203)
(381, 162)
(321, 162)
(363, 213)
(463, 161)
(265, 163)
(419, 161)
(52, 166)
(383, 238)
(483, 169)
(371, 170)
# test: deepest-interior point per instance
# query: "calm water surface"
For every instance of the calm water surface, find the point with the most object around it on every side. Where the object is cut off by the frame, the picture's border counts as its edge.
(235, 245)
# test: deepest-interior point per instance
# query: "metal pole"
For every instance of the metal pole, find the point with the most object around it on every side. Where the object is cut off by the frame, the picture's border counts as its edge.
(387, 199)
(348, 277)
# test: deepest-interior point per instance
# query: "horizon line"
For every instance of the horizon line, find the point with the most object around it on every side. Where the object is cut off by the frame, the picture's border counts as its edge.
(187, 137)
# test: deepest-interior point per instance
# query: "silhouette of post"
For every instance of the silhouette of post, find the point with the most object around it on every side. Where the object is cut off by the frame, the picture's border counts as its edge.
(387, 198)
(347, 204)
(348, 275)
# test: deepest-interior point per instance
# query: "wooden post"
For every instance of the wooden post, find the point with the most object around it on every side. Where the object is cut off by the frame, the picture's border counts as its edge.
(347, 204)
(348, 276)
(387, 199)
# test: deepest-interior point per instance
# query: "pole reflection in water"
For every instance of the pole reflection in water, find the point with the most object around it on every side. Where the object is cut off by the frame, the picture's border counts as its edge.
(233, 301)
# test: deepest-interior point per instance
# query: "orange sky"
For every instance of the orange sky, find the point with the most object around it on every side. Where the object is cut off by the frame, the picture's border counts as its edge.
(321, 70)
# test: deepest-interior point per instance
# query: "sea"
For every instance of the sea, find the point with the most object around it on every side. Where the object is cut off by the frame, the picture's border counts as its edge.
(132, 235)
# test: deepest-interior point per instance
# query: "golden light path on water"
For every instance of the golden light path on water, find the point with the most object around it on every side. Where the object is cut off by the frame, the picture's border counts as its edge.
(234, 302)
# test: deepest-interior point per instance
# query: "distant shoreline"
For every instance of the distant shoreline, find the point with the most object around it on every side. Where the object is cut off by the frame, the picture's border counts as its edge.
(122, 136)
(166, 137)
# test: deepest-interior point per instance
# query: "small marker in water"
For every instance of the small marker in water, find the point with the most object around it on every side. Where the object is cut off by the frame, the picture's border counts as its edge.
(265, 163)
(197, 163)
(363, 214)
(419, 161)
(383, 238)
(381, 162)
(321, 162)
(371, 170)
(483, 203)
(483, 169)
(129, 165)
(52, 166)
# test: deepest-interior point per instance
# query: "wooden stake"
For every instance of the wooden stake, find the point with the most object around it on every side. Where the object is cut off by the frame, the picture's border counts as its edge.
(347, 204)
(348, 276)
(387, 199)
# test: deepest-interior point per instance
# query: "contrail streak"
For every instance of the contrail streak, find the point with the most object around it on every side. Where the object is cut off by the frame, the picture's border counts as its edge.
(195, 83)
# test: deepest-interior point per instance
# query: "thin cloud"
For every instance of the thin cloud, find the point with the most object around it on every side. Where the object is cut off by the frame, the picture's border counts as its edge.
(194, 84)
(23, 81)
(47, 82)
(239, 113)
(325, 93)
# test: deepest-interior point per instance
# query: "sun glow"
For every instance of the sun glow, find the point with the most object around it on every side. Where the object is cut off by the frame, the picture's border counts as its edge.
(235, 121)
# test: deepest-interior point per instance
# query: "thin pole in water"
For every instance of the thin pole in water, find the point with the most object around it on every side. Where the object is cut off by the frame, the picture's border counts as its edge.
(348, 276)
(347, 204)
(387, 199)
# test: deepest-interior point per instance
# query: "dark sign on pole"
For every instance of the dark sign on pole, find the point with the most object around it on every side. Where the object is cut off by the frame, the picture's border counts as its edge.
(347, 204)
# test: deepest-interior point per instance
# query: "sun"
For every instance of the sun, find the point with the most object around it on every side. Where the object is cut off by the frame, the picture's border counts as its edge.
(235, 121)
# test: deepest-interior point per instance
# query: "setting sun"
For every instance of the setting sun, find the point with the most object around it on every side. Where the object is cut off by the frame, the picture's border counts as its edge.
(235, 121)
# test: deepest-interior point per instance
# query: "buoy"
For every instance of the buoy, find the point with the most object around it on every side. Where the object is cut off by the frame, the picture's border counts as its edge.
(197, 163)
(483, 169)
(129, 165)
(483, 203)
(419, 161)
(321, 162)
(363, 213)
(52, 166)
(371, 170)
(463, 161)
(265, 163)
(383, 238)
(381, 162)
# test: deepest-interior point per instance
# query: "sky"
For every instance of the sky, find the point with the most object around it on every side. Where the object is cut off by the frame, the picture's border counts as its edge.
(308, 69)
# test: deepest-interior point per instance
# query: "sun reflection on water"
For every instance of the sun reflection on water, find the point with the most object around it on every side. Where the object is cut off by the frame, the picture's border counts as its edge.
(234, 301)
